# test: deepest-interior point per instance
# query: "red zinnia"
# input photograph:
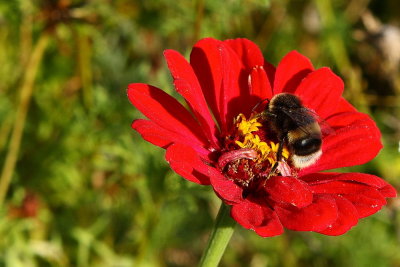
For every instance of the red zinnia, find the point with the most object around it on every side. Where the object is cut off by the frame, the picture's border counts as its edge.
(223, 142)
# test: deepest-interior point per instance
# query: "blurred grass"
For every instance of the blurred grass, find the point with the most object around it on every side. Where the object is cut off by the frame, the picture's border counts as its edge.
(87, 191)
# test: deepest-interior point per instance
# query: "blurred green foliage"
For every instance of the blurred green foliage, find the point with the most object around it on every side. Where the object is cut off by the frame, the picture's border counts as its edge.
(85, 190)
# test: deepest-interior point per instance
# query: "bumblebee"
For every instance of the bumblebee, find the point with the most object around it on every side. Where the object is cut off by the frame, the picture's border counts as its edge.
(296, 127)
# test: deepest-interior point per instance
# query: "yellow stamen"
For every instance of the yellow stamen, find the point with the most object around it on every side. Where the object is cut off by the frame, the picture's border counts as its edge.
(246, 128)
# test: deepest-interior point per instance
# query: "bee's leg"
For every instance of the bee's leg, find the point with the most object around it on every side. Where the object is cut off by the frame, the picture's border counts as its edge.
(280, 150)
(273, 169)
(260, 103)
(278, 157)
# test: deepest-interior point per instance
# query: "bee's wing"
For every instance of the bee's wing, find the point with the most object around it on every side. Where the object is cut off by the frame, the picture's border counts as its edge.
(326, 129)
(304, 116)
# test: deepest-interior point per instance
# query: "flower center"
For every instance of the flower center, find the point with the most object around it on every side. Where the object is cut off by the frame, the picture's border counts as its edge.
(249, 131)
(250, 155)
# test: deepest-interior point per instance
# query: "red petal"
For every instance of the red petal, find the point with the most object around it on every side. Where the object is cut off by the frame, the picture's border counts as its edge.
(347, 218)
(187, 85)
(361, 189)
(250, 57)
(161, 137)
(289, 190)
(321, 91)
(290, 71)
(247, 51)
(340, 187)
(223, 71)
(205, 59)
(356, 140)
(234, 95)
(226, 189)
(187, 163)
(248, 214)
(270, 71)
(272, 228)
(363, 178)
(367, 202)
(154, 134)
(315, 217)
(344, 106)
(166, 112)
(259, 84)
(388, 191)
(258, 218)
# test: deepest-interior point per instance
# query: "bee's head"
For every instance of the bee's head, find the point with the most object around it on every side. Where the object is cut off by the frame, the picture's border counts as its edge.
(284, 100)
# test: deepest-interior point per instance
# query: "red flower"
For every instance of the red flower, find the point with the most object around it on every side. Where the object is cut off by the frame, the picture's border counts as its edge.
(223, 142)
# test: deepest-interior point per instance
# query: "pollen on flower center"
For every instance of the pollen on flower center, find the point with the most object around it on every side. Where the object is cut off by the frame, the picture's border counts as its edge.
(249, 154)
(249, 138)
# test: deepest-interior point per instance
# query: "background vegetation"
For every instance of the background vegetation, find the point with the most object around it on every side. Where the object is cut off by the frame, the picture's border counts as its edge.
(80, 188)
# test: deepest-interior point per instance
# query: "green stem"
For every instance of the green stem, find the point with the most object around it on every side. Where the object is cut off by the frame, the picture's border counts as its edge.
(219, 238)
